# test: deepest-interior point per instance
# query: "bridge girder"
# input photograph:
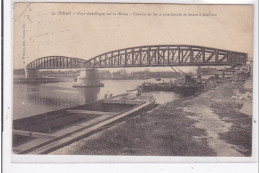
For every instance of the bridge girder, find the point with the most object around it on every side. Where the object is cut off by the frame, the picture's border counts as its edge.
(167, 55)
(147, 56)
(56, 62)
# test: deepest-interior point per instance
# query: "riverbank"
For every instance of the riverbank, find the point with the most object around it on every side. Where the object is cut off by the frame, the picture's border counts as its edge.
(209, 124)
(23, 80)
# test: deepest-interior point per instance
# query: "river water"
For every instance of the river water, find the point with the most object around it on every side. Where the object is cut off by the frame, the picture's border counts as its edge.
(30, 100)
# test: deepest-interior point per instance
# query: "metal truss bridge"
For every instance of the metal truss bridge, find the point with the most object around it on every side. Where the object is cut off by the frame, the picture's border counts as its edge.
(147, 56)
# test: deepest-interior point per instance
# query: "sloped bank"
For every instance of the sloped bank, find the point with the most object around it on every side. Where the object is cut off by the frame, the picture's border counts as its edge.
(228, 130)
(203, 125)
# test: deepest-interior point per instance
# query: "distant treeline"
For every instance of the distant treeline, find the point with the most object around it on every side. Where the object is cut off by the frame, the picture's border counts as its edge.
(148, 74)
(104, 74)
(71, 74)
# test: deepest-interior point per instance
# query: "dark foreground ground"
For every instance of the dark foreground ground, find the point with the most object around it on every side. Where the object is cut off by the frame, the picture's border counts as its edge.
(210, 124)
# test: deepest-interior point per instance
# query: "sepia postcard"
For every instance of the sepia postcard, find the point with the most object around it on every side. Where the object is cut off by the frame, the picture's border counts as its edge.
(125, 79)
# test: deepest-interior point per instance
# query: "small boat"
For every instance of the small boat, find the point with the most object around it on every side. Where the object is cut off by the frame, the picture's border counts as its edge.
(87, 86)
(158, 79)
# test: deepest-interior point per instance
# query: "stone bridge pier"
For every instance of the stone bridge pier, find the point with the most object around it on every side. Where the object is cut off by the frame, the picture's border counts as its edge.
(32, 73)
(88, 78)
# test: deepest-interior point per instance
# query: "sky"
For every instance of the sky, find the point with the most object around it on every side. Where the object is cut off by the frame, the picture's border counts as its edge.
(40, 30)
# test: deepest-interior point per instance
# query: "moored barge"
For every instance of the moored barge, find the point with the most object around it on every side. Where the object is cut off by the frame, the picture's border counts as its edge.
(185, 87)
(47, 132)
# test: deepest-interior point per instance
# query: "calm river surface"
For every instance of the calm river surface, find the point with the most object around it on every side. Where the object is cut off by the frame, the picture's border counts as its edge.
(30, 100)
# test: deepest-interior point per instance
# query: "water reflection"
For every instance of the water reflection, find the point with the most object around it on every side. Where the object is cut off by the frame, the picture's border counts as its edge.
(41, 100)
(89, 94)
(30, 100)
(85, 95)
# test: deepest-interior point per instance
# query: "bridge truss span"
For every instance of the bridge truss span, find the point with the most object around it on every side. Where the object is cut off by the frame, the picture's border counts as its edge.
(166, 55)
(147, 56)
(56, 62)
